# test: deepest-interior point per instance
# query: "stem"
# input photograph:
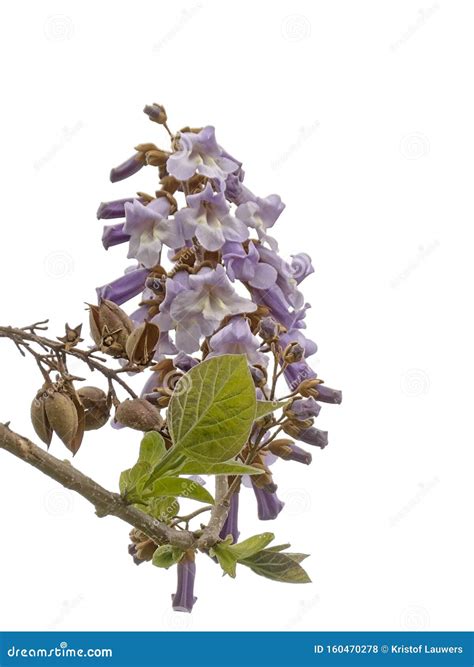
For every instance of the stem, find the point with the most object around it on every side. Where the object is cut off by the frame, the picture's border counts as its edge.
(219, 514)
(105, 502)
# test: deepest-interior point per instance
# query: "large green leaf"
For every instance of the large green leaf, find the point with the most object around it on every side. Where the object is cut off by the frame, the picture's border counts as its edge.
(226, 559)
(277, 566)
(179, 486)
(266, 407)
(226, 468)
(212, 409)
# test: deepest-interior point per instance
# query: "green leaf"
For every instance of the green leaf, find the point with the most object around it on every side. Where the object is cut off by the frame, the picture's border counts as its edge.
(124, 481)
(226, 468)
(266, 407)
(179, 486)
(226, 559)
(212, 409)
(278, 547)
(251, 546)
(152, 448)
(277, 566)
(166, 556)
(133, 480)
(164, 509)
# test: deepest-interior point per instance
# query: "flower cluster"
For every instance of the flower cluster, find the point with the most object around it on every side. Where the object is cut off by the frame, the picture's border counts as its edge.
(211, 282)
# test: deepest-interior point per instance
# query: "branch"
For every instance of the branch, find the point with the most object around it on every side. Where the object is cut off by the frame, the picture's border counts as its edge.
(106, 503)
(219, 514)
(19, 336)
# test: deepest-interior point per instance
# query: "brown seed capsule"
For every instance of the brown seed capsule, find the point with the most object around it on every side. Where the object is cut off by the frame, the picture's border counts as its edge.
(40, 420)
(62, 416)
(141, 343)
(139, 414)
(97, 410)
(72, 336)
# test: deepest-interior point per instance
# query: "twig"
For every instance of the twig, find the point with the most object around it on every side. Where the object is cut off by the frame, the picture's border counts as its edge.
(105, 502)
(210, 534)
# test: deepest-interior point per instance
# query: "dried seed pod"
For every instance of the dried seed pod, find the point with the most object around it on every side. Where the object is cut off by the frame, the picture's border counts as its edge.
(141, 343)
(139, 414)
(110, 327)
(39, 418)
(63, 418)
(97, 410)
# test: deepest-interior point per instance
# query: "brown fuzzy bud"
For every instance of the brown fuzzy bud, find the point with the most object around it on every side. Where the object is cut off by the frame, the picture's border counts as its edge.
(291, 429)
(281, 447)
(140, 345)
(307, 388)
(139, 414)
(39, 419)
(170, 184)
(63, 418)
(96, 407)
(110, 327)
(157, 158)
(145, 148)
(293, 353)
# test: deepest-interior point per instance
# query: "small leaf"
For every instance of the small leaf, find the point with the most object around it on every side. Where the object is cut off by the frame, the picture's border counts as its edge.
(226, 559)
(179, 486)
(133, 480)
(226, 468)
(124, 481)
(266, 407)
(164, 509)
(152, 448)
(212, 409)
(166, 556)
(277, 566)
(251, 546)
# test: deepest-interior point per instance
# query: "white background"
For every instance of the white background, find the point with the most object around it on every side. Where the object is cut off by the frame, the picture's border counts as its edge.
(360, 115)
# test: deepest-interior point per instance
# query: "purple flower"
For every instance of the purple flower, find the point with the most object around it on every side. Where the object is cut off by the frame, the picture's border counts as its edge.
(305, 408)
(149, 228)
(208, 218)
(124, 288)
(328, 395)
(198, 310)
(313, 436)
(184, 362)
(269, 505)
(301, 266)
(245, 266)
(127, 168)
(114, 235)
(286, 280)
(262, 214)
(173, 286)
(230, 526)
(299, 455)
(113, 209)
(199, 152)
(184, 599)
(237, 338)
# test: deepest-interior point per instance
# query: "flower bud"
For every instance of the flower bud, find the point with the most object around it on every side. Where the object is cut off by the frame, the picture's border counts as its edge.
(280, 447)
(156, 158)
(307, 388)
(259, 375)
(302, 409)
(139, 414)
(269, 329)
(63, 418)
(293, 353)
(95, 403)
(128, 168)
(141, 343)
(156, 113)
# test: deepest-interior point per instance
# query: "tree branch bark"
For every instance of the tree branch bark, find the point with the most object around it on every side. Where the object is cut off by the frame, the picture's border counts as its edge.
(219, 514)
(105, 502)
